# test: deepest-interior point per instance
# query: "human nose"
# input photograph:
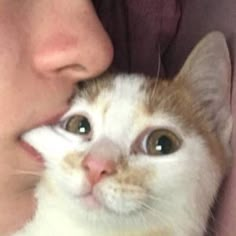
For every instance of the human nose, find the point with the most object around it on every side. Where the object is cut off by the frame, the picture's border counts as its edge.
(70, 42)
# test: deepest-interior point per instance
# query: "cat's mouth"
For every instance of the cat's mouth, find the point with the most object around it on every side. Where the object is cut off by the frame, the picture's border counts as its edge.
(90, 201)
(115, 202)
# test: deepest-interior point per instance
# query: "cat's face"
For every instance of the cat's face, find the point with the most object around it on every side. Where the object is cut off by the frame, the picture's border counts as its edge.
(135, 151)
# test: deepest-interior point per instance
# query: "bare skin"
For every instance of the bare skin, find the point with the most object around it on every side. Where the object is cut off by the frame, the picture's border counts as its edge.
(46, 46)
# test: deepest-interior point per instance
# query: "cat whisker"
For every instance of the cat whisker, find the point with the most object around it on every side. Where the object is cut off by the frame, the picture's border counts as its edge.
(165, 205)
(161, 200)
(145, 221)
(27, 172)
(211, 229)
(150, 210)
(159, 62)
(157, 215)
(158, 73)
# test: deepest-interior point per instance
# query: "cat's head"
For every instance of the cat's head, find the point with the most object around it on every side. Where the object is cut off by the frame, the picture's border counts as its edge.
(133, 150)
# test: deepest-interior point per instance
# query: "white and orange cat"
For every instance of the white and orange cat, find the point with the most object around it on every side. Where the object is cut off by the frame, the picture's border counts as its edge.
(135, 156)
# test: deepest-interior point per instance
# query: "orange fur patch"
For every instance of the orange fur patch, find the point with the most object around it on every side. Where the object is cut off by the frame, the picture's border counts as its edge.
(175, 97)
(73, 161)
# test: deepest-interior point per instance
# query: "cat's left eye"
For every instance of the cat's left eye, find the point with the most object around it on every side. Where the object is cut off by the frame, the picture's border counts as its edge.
(78, 124)
(161, 142)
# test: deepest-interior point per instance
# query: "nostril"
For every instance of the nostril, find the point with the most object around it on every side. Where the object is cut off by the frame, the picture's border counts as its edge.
(74, 72)
(85, 166)
(107, 172)
(96, 168)
(72, 69)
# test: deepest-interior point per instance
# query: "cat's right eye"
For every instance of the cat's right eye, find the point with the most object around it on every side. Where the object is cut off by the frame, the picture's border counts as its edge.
(78, 124)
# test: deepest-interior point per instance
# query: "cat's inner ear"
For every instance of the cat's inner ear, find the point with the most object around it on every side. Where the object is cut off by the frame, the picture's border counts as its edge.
(207, 71)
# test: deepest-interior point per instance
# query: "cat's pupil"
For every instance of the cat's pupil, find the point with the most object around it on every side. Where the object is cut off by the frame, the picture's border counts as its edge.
(164, 145)
(84, 126)
(162, 142)
(78, 124)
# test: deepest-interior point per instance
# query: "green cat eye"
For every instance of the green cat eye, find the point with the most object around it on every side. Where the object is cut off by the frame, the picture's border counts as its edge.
(162, 142)
(78, 124)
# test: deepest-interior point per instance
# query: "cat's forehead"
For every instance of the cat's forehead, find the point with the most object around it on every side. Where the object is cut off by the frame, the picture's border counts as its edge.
(121, 87)
(113, 94)
(137, 94)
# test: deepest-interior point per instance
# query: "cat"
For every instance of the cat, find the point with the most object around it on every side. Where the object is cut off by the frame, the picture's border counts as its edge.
(136, 156)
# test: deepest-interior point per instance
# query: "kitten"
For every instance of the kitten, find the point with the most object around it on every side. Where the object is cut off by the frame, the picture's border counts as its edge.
(135, 156)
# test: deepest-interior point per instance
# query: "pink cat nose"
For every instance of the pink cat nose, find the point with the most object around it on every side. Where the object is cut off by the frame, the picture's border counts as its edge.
(97, 168)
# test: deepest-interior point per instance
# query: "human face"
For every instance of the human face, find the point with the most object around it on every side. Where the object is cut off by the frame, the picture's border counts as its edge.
(46, 46)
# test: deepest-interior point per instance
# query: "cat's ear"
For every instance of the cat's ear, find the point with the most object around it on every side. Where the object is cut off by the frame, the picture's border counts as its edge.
(208, 72)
